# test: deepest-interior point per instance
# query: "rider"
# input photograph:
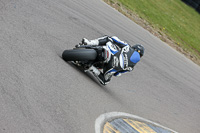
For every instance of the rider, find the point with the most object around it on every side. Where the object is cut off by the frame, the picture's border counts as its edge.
(123, 60)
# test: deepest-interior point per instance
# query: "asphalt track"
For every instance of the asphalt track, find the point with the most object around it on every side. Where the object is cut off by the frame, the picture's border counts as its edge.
(40, 93)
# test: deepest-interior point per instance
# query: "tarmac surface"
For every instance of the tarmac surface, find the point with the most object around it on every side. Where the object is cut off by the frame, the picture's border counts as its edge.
(41, 93)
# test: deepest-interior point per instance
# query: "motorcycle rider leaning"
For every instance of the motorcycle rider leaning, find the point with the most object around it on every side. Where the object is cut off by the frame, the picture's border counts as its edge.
(123, 59)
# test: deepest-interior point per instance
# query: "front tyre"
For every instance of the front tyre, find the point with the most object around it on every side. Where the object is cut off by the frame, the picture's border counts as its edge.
(79, 55)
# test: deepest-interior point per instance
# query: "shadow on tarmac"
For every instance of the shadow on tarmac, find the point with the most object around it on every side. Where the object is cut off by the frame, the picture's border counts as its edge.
(81, 70)
(92, 78)
(87, 74)
(104, 88)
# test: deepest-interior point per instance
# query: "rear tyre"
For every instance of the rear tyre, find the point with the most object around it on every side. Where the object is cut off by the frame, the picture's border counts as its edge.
(79, 55)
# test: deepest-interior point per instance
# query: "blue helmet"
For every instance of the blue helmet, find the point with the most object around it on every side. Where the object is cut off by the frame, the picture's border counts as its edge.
(139, 48)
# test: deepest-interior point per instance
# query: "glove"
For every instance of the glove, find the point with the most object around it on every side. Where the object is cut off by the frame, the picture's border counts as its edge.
(117, 74)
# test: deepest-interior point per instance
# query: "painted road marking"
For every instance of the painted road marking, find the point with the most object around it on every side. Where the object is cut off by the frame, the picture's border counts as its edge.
(122, 126)
(139, 126)
(109, 128)
(117, 122)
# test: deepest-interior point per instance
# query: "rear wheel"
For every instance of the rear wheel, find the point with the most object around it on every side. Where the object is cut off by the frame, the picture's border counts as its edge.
(79, 55)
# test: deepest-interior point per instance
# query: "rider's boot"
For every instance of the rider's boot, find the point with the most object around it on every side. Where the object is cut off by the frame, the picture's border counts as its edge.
(99, 41)
(90, 42)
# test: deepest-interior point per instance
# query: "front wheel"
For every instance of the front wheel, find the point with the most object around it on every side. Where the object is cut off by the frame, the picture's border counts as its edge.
(79, 55)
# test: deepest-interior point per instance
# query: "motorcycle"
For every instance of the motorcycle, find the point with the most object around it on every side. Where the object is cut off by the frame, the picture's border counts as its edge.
(87, 55)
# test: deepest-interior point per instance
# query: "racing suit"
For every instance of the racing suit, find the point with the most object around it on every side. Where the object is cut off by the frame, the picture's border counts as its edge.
(123, 58)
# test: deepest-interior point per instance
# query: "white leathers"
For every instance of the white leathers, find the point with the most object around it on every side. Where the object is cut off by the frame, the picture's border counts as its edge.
(110, 47)
(117, 54)
(123, 57)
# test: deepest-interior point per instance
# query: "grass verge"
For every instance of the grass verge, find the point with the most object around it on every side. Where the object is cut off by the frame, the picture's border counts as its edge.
(172, 21)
